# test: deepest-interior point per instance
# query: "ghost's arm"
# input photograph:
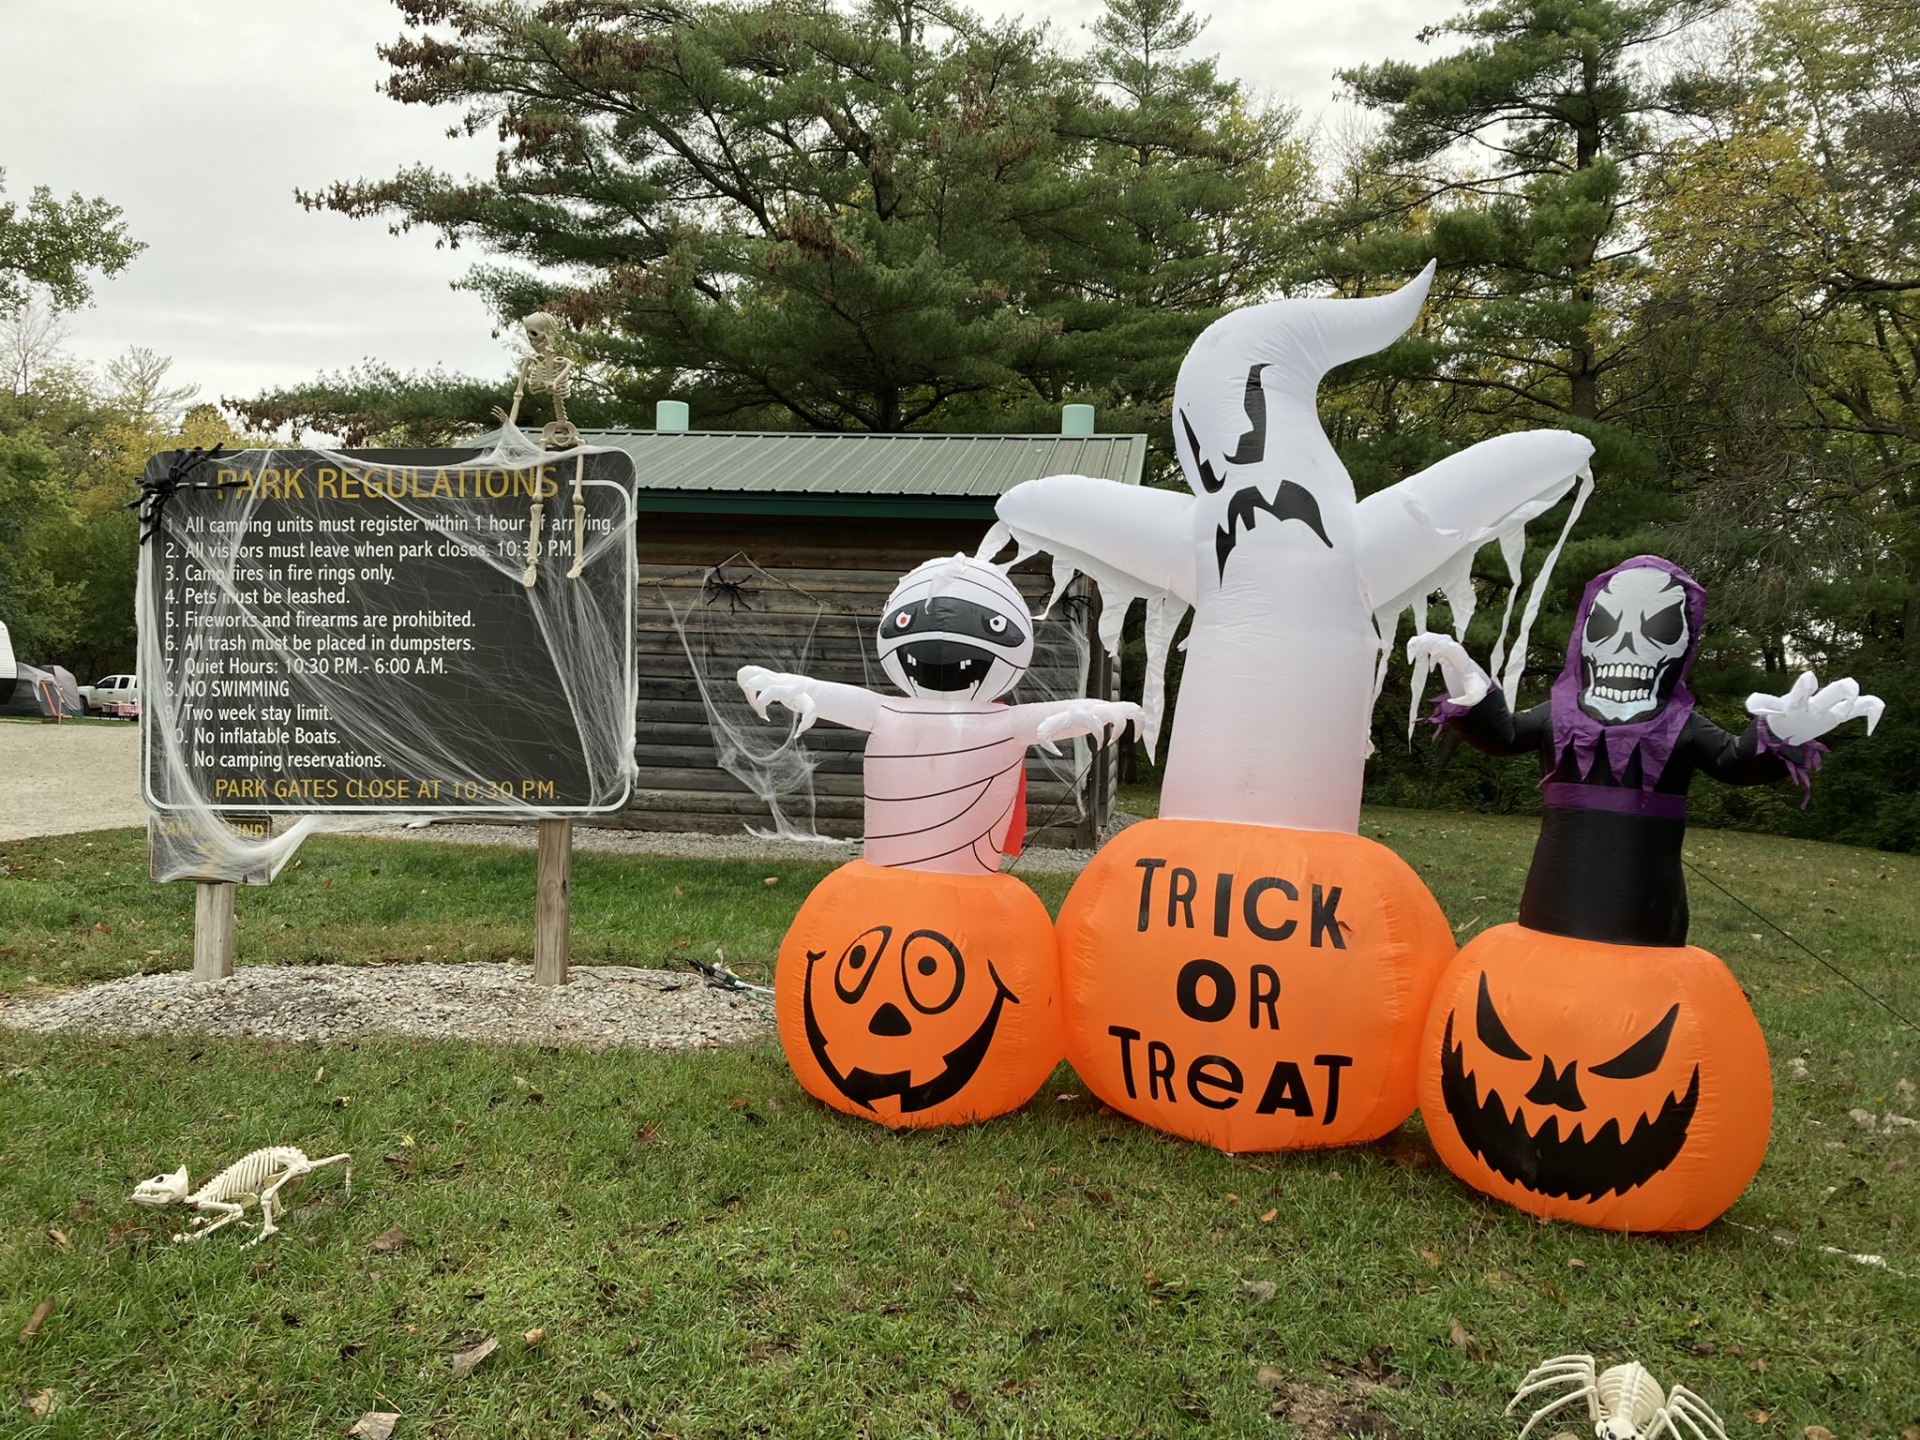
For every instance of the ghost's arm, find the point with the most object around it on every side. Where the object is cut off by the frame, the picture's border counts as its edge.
(810, 699)
(1103, 526)
(1052, 720)
(1410, 536)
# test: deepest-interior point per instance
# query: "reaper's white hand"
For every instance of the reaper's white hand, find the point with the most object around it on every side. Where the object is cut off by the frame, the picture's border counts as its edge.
(766, 687)
(1089, 717)
(1467, 684)
(1806, 712)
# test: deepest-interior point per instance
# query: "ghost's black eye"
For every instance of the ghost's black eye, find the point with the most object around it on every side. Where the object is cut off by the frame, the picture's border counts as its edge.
(1643, 1055)
(1601, 624)
(1493, 1031)
(1666, 627)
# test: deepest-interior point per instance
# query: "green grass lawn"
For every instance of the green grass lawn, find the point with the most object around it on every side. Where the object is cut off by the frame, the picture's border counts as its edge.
(709, 1253)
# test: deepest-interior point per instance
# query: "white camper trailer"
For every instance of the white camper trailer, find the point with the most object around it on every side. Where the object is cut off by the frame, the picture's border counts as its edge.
(9, 667)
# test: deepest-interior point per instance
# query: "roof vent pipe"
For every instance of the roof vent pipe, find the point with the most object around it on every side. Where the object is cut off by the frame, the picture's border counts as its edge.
(670, 415)
(1076, 421)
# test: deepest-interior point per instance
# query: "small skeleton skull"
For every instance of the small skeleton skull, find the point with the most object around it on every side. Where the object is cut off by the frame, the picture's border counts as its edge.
(1634, 647)
(542, 328)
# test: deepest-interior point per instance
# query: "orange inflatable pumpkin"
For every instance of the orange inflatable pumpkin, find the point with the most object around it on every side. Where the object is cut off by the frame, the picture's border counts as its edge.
(915, 998)
(1624, 1087)
(1250, 987)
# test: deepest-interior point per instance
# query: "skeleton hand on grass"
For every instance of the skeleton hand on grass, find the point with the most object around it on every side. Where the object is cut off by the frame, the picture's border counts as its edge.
(1806, 712)
(766, 687)
(1467, 684)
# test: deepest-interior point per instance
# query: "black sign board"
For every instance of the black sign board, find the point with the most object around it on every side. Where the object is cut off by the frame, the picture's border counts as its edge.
(352, 631)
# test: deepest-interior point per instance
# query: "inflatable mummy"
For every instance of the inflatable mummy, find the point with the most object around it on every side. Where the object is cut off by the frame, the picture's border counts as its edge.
(918, 985)
(1247, 970)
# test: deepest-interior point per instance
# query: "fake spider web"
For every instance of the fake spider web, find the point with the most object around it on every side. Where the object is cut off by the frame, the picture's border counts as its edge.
(738, 613)
(342, 641)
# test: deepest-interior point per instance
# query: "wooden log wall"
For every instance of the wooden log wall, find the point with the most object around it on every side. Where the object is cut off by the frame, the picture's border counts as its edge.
(815, 587)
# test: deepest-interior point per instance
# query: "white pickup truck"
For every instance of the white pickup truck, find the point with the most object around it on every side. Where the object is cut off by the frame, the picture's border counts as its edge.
(114, 695)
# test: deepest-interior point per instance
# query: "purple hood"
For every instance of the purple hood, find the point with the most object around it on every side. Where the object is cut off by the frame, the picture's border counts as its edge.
(1655, 736)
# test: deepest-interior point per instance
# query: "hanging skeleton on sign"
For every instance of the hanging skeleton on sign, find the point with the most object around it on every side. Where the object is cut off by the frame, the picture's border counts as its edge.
(548, 372)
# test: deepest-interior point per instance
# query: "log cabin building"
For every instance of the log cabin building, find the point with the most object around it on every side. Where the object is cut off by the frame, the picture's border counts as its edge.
(798, 537)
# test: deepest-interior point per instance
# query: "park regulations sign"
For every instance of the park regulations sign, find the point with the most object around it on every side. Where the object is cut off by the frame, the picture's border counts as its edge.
(366, 631)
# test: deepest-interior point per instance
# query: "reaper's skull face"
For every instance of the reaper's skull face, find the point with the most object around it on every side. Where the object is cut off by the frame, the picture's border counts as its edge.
(1634, 647)
(956, 629)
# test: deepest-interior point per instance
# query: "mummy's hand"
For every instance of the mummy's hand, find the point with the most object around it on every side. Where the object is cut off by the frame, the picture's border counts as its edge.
(1806, 712)
(765, 687)
(1467, 684)
(1089, 717)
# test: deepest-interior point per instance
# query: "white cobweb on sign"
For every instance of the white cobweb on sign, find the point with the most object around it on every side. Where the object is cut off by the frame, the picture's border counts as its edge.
(740, 613)
(255, 689)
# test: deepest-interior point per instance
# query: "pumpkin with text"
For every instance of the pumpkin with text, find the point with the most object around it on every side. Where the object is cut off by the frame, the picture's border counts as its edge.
(917, 999)
(1250, 987)
(1619, 1086)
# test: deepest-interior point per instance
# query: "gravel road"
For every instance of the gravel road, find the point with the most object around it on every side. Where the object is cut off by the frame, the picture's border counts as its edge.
(62, 779)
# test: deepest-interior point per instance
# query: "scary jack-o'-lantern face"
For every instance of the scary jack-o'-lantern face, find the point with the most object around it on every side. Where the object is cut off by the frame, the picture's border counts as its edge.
(914, 998)
(899, 1009)
(1620, 1086)
(1624, 1127)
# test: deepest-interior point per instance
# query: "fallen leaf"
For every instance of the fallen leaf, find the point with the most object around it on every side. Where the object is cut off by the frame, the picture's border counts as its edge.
(42, 1405)
(1759, 1417)
(392, 1240)
(1432, 1257)
(1258, 1290)
(39, 1318)
(1758, 1367)
(59, 1238)
(1576, 1264)
(1270, 1377)
(467, 1361)
(374, 1425)
(1268, 1218)
(1816, 1432)
(771, 880)
(1496, 1279)
(533, 1338)
(319, 1074)
(1460, 1336)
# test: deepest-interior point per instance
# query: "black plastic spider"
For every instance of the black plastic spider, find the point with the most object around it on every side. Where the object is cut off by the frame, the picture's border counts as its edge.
(156, 491)
(716, 586)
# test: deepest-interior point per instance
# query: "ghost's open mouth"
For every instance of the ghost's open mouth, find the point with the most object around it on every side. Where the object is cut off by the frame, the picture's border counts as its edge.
(1289, 502)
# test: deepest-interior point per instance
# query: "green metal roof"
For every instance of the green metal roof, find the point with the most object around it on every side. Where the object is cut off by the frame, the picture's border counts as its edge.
(743, 464)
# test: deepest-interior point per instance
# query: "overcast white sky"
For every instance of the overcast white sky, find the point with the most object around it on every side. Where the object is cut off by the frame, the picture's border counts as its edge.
(199, 119)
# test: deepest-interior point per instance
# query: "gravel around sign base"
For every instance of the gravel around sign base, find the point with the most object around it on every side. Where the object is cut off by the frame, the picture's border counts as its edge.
(605, 1005)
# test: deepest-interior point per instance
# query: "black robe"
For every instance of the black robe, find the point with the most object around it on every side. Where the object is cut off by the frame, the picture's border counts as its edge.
(1607, 864)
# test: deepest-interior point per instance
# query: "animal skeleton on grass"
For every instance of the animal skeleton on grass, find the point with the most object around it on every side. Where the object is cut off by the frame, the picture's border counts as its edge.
(1624, 1403)
(257, 1177)
(548, 372)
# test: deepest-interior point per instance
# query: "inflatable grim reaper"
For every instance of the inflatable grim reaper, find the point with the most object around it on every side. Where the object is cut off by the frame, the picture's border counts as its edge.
(1247, 970)
(1587, 1064)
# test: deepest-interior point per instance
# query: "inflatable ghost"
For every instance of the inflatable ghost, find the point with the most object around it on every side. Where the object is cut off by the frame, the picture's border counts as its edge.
(1247, 970)
(1588, 1064)
(919, 985)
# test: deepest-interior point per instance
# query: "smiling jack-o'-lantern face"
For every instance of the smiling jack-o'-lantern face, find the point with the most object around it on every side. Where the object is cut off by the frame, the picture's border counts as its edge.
(916, 1042)
(919, 999)
(1613, 1085)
